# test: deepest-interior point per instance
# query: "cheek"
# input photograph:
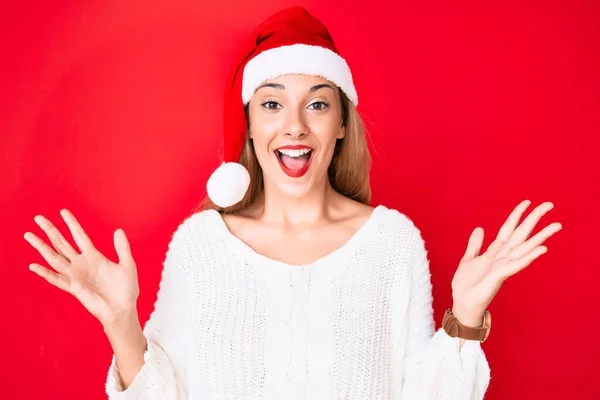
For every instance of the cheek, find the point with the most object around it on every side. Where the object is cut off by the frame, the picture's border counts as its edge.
(262, 142)
(327, 133)
(263, 131)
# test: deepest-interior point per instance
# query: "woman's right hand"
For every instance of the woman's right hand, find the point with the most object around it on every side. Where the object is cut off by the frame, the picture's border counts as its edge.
(107, 290)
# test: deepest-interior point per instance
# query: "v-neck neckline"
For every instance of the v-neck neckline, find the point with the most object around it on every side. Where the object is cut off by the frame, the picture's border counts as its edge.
(357, 237)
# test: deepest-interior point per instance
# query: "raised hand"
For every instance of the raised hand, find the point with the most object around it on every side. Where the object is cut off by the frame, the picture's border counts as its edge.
(106, 289)
(479, 277)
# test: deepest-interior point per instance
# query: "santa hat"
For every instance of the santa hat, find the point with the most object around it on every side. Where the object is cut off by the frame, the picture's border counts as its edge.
(291, 41)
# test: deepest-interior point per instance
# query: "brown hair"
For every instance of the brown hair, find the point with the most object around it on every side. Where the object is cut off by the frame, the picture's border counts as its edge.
(348, 172)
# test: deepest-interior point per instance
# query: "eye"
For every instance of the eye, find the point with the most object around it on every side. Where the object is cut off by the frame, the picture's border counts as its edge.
(270, 105)
(321, 105)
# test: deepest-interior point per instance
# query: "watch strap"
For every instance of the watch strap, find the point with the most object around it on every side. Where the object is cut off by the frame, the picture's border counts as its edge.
(454, 328)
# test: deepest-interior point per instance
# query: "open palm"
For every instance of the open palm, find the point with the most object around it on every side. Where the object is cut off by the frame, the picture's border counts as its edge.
(479, 277)
(106, 289)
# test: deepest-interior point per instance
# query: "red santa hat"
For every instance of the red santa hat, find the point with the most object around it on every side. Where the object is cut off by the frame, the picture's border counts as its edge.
(291, 41)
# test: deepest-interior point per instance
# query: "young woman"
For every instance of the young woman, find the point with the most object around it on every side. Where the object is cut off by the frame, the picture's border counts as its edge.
(288, 284)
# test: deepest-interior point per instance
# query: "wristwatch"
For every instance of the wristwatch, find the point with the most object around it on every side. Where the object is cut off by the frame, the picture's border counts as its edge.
(455, 329)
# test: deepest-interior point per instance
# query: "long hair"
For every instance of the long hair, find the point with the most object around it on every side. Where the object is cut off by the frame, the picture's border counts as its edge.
(348, 171)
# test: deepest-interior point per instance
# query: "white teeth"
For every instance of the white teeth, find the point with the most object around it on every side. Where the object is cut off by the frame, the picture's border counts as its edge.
(294, 153)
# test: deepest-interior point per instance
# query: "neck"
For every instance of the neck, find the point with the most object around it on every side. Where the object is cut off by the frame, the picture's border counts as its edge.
(310, 209)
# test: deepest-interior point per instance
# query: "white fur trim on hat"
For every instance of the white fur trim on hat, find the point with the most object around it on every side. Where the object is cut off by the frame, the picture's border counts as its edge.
(297, 59)
(228, 184)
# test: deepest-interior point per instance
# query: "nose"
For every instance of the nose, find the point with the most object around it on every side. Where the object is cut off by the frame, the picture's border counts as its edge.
(296, 126)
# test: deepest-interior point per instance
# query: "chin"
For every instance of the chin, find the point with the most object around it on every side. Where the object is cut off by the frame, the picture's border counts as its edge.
(295, 190)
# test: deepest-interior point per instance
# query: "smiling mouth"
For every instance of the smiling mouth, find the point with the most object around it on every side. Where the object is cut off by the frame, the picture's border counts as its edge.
(294, 163)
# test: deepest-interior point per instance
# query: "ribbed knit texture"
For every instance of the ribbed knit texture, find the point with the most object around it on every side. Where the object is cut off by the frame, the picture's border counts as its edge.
(357, 324)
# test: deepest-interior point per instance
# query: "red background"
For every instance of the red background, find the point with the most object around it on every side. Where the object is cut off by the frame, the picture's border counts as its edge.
(112, 109)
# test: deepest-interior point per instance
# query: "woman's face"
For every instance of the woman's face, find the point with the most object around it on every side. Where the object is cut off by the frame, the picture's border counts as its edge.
(295, 121)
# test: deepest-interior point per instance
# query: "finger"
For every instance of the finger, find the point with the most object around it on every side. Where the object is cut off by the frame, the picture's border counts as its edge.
(122, 247)
(56, 238)
(524, 230)
(81, 238)
(512, 222)
(60, 281)
(56, 261)
(494, 249)
(535, 241)
(512, 267)
(474, 244)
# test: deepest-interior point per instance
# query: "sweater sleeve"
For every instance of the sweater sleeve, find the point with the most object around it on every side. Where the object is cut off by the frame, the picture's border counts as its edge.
(435, 366)
(163, 374)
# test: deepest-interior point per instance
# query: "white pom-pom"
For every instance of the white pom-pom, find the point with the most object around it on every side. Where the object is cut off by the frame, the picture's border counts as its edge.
(228, 184)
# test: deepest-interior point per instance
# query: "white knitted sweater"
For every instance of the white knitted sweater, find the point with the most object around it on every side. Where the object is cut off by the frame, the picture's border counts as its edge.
(357, 324)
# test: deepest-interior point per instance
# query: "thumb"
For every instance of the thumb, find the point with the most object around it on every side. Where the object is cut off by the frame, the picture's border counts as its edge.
(474, 244)
(122, 247)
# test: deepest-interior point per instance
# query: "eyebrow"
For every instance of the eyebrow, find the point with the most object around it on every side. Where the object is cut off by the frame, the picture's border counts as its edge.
(281, 87)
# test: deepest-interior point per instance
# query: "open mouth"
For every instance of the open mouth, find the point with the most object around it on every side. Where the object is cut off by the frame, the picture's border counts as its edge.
(294, 161)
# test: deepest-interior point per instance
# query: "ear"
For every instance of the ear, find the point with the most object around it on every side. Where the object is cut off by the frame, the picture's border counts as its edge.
(341, 132)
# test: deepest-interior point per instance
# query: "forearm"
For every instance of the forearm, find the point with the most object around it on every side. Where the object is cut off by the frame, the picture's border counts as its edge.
(129, 344)
(435, 367)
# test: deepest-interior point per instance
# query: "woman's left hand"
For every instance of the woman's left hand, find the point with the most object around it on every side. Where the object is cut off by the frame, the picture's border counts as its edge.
(479, 277)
